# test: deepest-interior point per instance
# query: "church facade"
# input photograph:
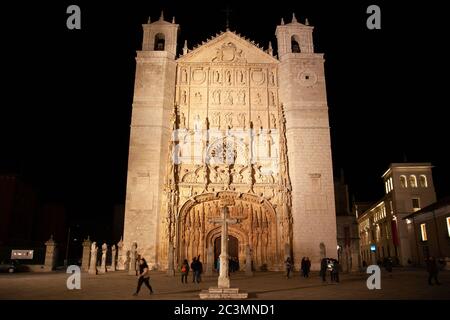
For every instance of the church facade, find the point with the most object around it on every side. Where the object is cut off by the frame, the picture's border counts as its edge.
(228, 123)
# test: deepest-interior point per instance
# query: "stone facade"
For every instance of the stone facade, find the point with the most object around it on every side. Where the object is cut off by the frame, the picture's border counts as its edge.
(230, 121)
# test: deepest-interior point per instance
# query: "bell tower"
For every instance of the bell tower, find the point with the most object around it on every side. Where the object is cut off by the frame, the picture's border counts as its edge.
(303, 96)
(153, 103)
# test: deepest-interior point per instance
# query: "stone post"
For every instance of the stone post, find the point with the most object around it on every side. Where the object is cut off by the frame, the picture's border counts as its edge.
(113, 258)
(50, 254)
(86, 254)
(132, 262)
(248, 261)
(104, 251)
(210, 261)
(121, 256)
(93, 264)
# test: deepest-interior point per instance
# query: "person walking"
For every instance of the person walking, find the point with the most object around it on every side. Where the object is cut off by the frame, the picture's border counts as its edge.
(335, 271)
(302, 266)
(433, 271)
(184, 271)
(144, 276)
(193, 268)
(307, 267)
(323, 269)
(288, 265)
(388, 265)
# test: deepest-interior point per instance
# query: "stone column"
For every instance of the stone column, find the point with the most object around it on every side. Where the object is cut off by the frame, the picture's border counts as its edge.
(132, 262)
(86, 254)
(210, 261)
(248, 261)
(224, 279)
(50, 254)
(113, 258)
(104, 251)
(93, 264)
(170, 269)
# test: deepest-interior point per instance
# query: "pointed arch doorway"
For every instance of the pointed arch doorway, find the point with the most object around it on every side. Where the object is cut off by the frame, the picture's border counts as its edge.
(233, 247)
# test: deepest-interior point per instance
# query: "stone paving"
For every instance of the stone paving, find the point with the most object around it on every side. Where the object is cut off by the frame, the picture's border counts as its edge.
(404, 284)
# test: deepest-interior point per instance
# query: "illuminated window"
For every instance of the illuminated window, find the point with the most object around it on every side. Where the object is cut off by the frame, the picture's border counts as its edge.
(403, 182)
(423, 231)
(413, 181)
(415, 204)
(386, 186)
(423, 181)
(391, 184)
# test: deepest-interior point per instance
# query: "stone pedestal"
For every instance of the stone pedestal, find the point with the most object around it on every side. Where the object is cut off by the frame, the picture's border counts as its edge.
(223, 293)
(50, 255)
(86, 254)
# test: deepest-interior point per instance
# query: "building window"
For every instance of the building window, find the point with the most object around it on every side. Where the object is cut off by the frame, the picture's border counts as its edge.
(423, 232)
(386, 187)
(423, 181)
(448, 226)
(415, 204)
(403, 182)
(391, 184)
(159, 42)
(413, 181)
(295, 47)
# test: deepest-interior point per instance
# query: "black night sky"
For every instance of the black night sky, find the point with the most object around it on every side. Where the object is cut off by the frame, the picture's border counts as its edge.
(65, 120)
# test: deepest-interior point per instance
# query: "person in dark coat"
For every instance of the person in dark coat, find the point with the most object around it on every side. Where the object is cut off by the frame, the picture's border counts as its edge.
(323, 269)
(198, 269)
(194, 268)
(388, 265)
(334, 270)
(144, 276)
(302, 266)
(433, 271)
(307, 267)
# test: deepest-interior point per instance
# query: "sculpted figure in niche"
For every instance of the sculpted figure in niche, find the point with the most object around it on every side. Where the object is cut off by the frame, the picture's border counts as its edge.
(272, 78)
(230, 98)
(183, 97)
(216, 96)
(216, 76)
(241, 120)
(197, 123)
(182, 121)
(241, 97)
(198, 97)
(228, 77)
(229, 119)
(184, 76)
(258, 98)
(272, 99)
(242, 77)
(274, 121)
(216, 119)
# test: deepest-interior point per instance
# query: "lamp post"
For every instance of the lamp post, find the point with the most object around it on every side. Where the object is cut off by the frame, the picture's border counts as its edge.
(66, 262)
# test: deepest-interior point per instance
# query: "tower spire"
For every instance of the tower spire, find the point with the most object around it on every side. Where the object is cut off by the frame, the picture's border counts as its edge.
(185, 48)
(227, 21)
(161, 17)
(282, 21)
(306, 22)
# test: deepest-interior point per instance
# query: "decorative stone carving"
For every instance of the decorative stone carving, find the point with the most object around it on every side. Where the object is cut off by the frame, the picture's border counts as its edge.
(229, 119)
(215, 121)
(228, 52)
(241, 120)
(241, 97)
(216, 96)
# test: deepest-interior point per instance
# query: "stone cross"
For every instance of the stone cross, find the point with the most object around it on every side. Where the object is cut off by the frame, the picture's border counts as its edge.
(224, 279)
(113, 257)
(93, 264)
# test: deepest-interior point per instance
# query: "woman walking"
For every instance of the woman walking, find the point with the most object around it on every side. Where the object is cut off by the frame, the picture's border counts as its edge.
(184, 271)
(144, 276)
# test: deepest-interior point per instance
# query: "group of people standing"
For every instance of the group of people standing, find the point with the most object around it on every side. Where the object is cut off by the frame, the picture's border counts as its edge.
(196, 267)
(305, 267)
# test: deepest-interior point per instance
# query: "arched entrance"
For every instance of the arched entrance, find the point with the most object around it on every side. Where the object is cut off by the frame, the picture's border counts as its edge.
(233, 247)
(256, 228)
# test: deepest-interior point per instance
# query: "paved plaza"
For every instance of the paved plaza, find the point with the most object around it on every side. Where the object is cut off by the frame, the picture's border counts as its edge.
(404, 284)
